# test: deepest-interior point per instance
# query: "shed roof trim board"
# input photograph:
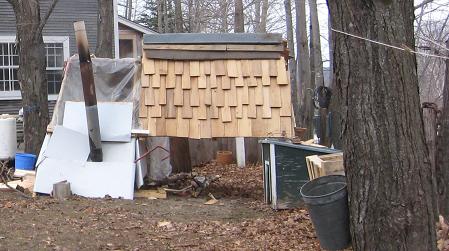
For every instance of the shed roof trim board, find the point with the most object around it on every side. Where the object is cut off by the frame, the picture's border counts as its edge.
(220, 38)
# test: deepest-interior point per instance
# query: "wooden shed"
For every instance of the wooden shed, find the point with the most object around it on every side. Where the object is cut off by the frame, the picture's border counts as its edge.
(215, 85)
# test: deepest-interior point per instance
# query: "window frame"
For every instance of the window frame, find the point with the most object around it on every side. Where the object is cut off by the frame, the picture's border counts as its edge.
(11, 95)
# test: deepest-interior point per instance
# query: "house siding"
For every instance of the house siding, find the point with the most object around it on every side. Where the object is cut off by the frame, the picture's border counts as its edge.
(60, 22)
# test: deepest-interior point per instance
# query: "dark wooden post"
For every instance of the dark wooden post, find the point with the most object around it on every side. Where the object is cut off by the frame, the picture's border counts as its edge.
(90, 98)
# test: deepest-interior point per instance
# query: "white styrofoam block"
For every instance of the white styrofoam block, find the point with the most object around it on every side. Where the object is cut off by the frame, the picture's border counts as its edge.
(88, 179)
(67, 144)
(115, 119)
(119, 151)
(43, 148)
(141, 165)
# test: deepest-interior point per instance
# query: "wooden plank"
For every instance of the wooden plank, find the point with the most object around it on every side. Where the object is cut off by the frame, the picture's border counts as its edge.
(179, 67)
(231, 128)
(218, 97)
(275, 93)
(213, 77)
(202, 110)
(211, 38)
(232, 68)
(217, 126)
(186, 47)
(194, 68)
(231, 95)
(161, 129)
(170, 108)
(205, 67)
(186, 108)
(258, 94)
(258, 124)
(171, 77)
(244, 94)
(194, 125)
(250, 81)
(287, 126)
(162, 91)
(171, 127)
(155, 111)
(282, 73)
(252, 109)
(202, 84)
(256, 68)
(274, 123)
(239, 81)
(214, 112)
(266, 108)
(246, 68)
(143, 122)
(244, 124)
(273, 68)
(155, 80)
(148, 66)
(208, 95)
(185, 81)
(194, 94)
(265, 72)
(226, 116)
(182, 124)
(143, 112)
(162, 65)
(178, 91)
(209, 55)
(255, 47)
(149, 96)
(286, 109)
(145, 80)
(151, 125)
(220, 67)
(205, 129)
(225, 83)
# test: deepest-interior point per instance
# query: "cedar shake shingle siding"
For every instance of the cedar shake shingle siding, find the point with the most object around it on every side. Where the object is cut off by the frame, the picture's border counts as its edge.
(60, 22)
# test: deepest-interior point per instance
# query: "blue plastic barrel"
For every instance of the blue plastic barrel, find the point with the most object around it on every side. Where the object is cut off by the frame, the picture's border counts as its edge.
(25, 161)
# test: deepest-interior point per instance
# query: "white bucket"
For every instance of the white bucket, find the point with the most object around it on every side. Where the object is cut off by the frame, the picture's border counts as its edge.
(8, 137)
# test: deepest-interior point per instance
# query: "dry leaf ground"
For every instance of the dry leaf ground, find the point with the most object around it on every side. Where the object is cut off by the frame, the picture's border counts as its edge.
(239, 221)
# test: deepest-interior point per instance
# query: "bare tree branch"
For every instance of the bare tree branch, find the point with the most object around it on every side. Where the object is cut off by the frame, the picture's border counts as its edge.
(47, 15)
(422, 4)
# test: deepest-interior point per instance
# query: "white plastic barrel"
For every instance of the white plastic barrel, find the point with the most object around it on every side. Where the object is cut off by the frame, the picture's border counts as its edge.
(8, 137)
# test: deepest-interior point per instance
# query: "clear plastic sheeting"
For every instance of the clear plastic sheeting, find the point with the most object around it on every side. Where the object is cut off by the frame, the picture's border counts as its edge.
(116, 80)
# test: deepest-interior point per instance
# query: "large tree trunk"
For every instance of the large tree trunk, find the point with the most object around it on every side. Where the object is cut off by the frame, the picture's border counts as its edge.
(160, 16)
(224, 16)
(32, 74)
(303, 62)
(257, 15)
(386, 159)
(239, 23)
(178, 17)
(291, 61)
(105, 29)
(315, 48)
(442, 159)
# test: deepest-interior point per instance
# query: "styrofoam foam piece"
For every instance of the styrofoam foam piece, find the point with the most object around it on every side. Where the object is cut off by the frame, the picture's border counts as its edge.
(67, 144)
(43, 148)
(8, 137)
(88, 179)
(141, 165)
(119, 151)
(115, 119)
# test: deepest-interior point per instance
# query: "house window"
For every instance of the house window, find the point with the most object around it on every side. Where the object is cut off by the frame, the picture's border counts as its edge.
(57, 51)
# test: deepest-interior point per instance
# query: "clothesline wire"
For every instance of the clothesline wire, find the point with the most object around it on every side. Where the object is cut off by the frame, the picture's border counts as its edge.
(405, 48)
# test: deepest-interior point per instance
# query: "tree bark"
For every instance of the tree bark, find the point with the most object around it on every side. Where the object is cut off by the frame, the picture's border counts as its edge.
(315, 49)
(386, 159)
(32, 74)
(224, 16)
(160, 16)
(239, 23)
(105, 29)
(257, 15)
(178, 17)
(129, 9)
(303, 62)
(292, 61)
(442, 159)
(263, 17)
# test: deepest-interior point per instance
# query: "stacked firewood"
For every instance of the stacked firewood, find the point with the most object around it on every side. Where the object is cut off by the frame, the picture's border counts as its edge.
(442, 234)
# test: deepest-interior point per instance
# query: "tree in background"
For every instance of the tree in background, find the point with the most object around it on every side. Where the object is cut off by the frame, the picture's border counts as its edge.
(105, 29)
(386, 159)
(239, 21)
(32, 73)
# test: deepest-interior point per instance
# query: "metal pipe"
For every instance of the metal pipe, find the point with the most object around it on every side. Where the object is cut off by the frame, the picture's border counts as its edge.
(90, 98)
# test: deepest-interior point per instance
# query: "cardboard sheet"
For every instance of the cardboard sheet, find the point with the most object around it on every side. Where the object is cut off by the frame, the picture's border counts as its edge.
(115, 119)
